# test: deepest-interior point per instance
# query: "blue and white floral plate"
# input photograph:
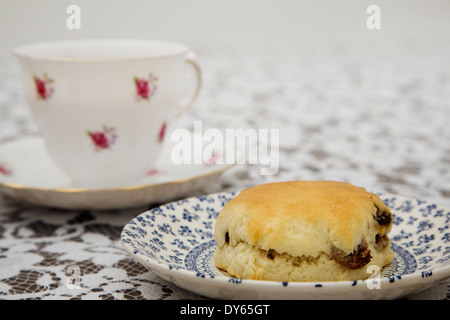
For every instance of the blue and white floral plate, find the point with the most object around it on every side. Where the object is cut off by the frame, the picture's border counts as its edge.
(176, 241)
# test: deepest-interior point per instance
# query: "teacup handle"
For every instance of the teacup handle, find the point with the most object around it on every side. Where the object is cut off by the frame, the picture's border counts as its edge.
(192, 61)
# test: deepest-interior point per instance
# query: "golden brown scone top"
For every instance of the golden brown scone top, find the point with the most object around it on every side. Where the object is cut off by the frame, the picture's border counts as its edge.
(303, 217)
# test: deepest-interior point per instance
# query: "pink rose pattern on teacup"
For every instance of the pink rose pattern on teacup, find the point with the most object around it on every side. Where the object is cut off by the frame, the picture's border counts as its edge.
(103, 139)
(145, 87)
(213, 159)
(44, 89)
(162, 132)
(4, 170)
(152, 172)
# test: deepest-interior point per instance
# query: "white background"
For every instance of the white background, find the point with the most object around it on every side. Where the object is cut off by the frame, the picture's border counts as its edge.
(231, 23)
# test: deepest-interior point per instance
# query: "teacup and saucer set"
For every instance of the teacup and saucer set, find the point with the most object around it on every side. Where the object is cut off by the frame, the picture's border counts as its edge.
(104, 108)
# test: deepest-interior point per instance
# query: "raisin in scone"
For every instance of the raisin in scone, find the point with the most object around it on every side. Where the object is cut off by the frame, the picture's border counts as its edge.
(303, 231)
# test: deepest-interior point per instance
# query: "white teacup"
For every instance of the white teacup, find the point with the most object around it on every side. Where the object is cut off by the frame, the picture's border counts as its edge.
(103, 105)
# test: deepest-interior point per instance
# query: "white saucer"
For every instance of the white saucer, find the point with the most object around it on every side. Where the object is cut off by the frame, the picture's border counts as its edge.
(27, 173)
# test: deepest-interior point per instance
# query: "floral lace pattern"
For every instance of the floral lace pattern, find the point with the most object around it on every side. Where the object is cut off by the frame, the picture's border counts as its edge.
(76, 256)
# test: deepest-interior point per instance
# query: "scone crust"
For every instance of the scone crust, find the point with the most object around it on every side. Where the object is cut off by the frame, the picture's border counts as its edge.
(309, 219)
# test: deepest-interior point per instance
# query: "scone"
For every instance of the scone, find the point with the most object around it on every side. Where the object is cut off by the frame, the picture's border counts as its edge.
(303, 231)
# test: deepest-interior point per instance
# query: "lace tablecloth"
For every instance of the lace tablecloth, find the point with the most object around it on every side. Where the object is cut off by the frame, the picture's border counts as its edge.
(375, 118)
